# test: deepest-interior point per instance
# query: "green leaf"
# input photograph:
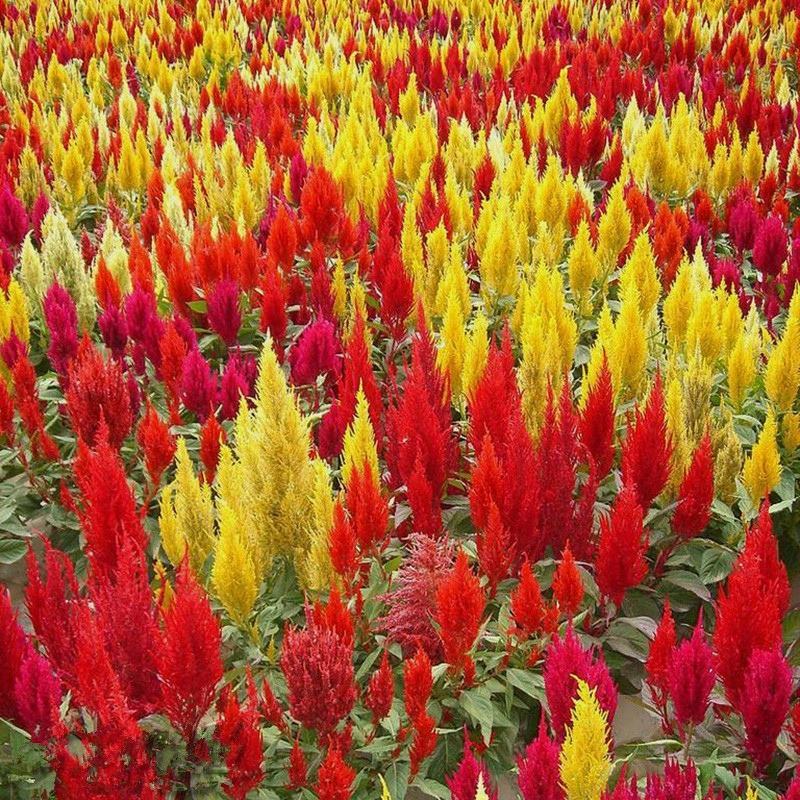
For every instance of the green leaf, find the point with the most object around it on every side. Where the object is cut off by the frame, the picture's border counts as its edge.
(715, 564)
(432, 788)
(478, 706)
(396, 777)
(530, 683)
(12, 550)
(684, 579)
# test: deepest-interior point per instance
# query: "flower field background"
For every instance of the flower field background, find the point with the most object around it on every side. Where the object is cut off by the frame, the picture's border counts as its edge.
(389, 388)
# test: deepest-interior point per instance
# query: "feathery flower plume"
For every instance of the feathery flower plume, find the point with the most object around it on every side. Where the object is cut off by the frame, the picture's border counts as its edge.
(539, 776)
(621, 563)
(585, 763)
(190, 664)
(459, 608)
(471, 773)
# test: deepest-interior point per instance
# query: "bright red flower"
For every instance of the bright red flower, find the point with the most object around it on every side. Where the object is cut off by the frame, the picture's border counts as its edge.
(660, 655)
(321, 207)
(224, 310)
(426, 508)
(527, 606)
(567, 584)
(539, 774)
(126, 617)
(335, 778)
(495, 550)
(380, 690)
(274, 297)
(696, 493)
(62, 321)
(109, 518)
(298, 769)
(50, 604)
(198, 385)
(342, 545)
(26, 400)
(764, 703)
(270, 707)
(37, 694)
(463, 783)
(761, 556)
(771, 246)
(333, 616)
(318, 666)
(239, 733)
(368, 508)
(597, 421)
(691, 677)
(190, 666)
(563, 505)
(423, 743)
(157, 443)
(211, 438)
(621, 563)
(748, 618)
(282, 238)
(172, 350)
(647, 450)
(14, 222)
(316, 352)
(417, 684)
(15, 649)
(459, 609)
(677, 782)
(98, 391)
(6, 415)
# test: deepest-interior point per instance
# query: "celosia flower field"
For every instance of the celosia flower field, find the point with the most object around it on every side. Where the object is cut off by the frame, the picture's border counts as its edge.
(393, 393)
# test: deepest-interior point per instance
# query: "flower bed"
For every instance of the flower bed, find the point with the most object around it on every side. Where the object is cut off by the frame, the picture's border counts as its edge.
(388, 388)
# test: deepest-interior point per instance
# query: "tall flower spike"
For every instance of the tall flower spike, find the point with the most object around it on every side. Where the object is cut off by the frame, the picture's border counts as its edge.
(459, 608)
(98, 391)
(318, 666)
(335, 777)
(157, 443)
(191, 666)
(764, 703)
(239, 733)
(647, 450)
(597, 421)
(585, 763)
(762, 470)
(15, 648)
(567, 584)
(527, 606)
(380, 690)
(233, 575)
(470, 776)
(696, 493)
(539, 777)
(660, 655)
(691, 677)
(621, 553)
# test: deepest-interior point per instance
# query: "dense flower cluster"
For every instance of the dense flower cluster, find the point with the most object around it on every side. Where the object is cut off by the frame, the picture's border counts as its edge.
(399, 395)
